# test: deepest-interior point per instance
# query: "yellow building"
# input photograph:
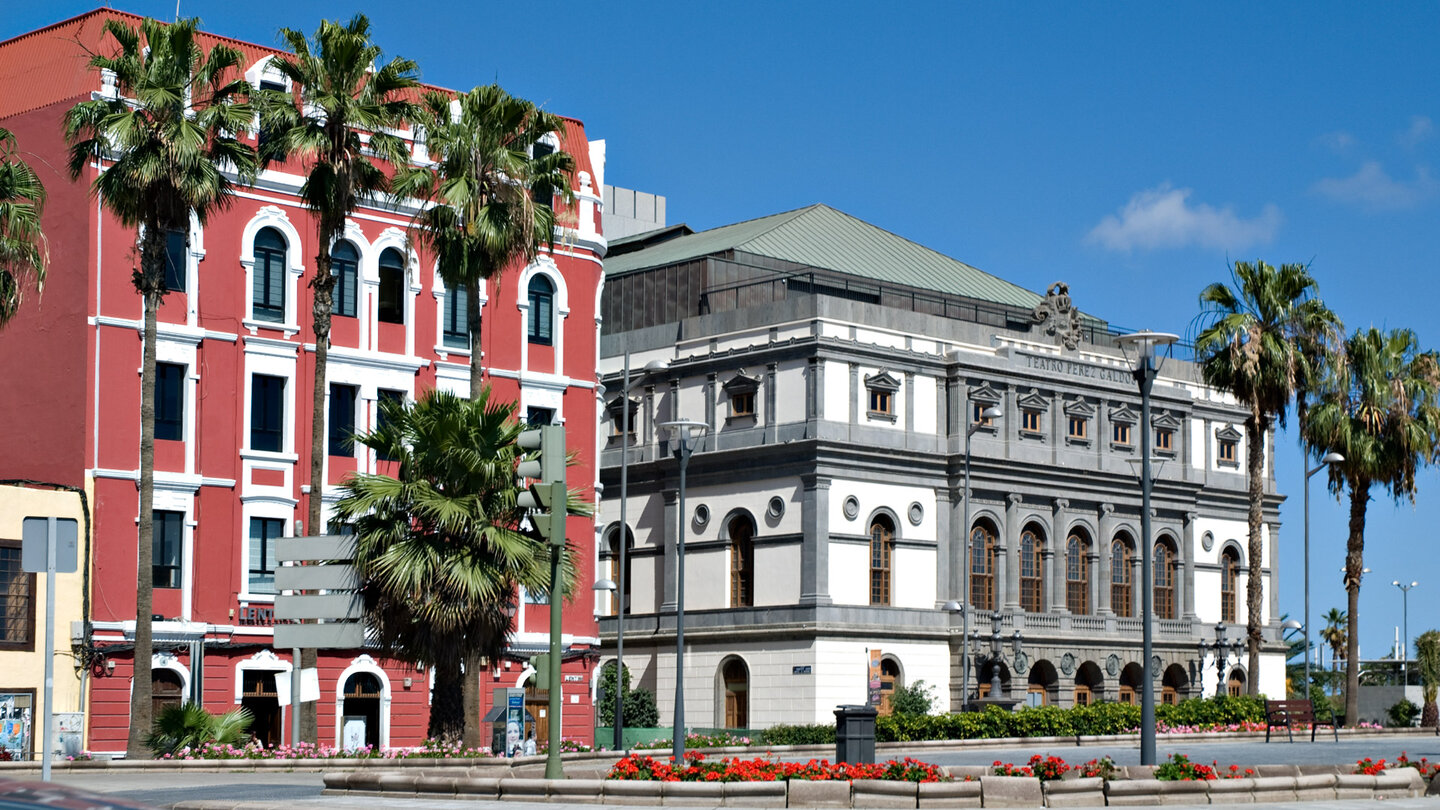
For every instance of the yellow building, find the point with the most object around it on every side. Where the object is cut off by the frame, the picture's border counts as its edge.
(22, 621)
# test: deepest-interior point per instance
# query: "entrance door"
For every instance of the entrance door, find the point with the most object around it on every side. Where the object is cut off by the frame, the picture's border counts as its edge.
(889, 677)
(259, 697)
(737, 694)
(362, 704)
(537, 703)
(166, 690)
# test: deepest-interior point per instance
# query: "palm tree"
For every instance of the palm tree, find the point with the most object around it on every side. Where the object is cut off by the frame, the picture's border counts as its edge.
(170, 138)
(1253, 343)
(438, 548)
(1427, 655)
(1382, 414)
(1334, 634)
(493, 189)
(489, 184)
(23, 253)
(341, 96)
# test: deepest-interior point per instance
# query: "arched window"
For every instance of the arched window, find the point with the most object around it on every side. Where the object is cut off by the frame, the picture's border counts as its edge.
(736, 679)
(1235, 684)
(345, 265)
(982, 567)
(269, 276)
(390, 308)
(166, 690)
(1164, 576)
(1032, 548)
(742, 563)
(1077, 573)
(542, 310)
(1229, 579)
(882, 552)
(1121, 600)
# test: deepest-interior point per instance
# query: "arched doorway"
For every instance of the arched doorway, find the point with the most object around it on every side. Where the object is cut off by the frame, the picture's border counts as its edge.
(890, 678)
(360, 712)
(166, 689)
(735, 694)
(1043, 685)
(987, 671)
(1089, 684)
(1132, 677)
(258, 696)
(1175, 685)
(1235, 684)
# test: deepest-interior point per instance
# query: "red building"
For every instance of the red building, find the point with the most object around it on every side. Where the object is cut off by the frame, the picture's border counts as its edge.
(236, 360)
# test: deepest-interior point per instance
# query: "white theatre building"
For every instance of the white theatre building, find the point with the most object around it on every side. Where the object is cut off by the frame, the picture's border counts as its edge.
(839, 368)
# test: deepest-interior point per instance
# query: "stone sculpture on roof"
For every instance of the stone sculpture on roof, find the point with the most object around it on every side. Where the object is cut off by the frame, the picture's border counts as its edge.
(1058, 313)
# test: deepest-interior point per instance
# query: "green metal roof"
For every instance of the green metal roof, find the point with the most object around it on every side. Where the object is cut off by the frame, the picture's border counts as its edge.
(819, 236)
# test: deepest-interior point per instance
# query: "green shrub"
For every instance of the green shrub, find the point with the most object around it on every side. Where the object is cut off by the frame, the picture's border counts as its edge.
(814, 734)
(1050, 721)
(917, 698)
(1402, 714)
(640, 710)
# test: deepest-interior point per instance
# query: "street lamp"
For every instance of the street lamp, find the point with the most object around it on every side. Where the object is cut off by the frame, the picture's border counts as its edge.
(1405, 637)
(1330, 458)
(987, 416)
(625, 388)
(687, 433)
(1144, 345)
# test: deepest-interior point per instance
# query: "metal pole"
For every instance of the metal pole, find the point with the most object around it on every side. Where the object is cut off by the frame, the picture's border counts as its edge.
(1146, 375)
(965, 581)
(677, 748)
(553, 770)
(49, 717)
(295, 697)
(1404, 640)
(1308, 473)
(624, 542)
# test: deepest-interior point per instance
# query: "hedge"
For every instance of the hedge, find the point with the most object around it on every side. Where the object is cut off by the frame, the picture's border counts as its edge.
(1050, 721)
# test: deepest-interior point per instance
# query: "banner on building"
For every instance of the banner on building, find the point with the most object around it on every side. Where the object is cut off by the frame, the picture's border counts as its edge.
(873, 690)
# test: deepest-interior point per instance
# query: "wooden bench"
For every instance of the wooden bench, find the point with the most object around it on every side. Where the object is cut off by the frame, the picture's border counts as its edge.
(1289, 712)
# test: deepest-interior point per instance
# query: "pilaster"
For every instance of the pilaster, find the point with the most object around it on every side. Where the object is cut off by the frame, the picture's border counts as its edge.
(1102, 543)
(1186, 580)
(1011, 558)
(1055, 559)
(815, 543)
(672, 528)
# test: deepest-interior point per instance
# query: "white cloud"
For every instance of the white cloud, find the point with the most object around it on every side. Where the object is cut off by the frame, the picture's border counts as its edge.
(1163, 217)
(1421, 128)
(1373, 187)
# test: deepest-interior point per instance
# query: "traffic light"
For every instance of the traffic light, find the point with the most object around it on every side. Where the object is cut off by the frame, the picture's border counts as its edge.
(541, 663)
(546, 495)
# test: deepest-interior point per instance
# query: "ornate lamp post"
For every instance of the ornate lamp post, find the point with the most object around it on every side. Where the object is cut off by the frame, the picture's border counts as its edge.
(1330, 458)
(1144, 345)
(1405, 632)
(997, 652)
(687, 434)
(986, 416)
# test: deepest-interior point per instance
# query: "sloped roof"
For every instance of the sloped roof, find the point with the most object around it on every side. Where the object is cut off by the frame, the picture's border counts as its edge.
(820, 236)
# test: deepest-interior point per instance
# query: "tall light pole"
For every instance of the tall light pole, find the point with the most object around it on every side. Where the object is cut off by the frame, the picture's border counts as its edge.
(986, 416)
(620, 577)
(687, 434)
(1405, 631)
(1330, 458)
(1144, 345)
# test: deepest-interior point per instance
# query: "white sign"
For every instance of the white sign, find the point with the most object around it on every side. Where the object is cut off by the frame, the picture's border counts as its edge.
(309, 686)
(353, 732)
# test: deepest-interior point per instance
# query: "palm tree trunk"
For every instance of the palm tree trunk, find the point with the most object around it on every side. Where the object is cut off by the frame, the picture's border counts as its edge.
(447, 703)
(1354, 567)
(324, 287)
(470, 687)
(1255, 430)
(152, 285)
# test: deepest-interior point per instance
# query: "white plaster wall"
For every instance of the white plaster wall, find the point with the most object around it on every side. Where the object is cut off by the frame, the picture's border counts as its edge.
(647, 587)
(777, 695)
(849, 574)
(1197, 443)
(926, 420)
(837, 391)
(707, 579)
(777, 574)
(832, 329)
(842, 670)
(912, 579)
(873, 495)
(885, 338)
(789, 392)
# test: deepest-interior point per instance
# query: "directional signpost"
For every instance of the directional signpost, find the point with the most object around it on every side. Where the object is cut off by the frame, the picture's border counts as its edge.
(319, 603)
(49, 544)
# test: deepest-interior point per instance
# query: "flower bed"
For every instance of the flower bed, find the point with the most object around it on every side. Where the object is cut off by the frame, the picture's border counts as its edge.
(1371, 767)
(1050, 768)
(253, 750)
(638, 767)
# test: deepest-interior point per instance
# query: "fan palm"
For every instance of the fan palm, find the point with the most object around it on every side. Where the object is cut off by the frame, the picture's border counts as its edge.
(438, 547)
(1427, 655)
(341, 96)
(169, 138)
(190, 726)
(1381, 412)
(23, 253)
(490, 186)
(1263, 341)
(1334, 634)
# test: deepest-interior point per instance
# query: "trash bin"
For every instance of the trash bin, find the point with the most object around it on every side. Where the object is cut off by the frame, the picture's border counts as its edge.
(855, 734)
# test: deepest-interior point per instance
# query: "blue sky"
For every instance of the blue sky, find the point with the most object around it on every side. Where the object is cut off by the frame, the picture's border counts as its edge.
(1129, 149)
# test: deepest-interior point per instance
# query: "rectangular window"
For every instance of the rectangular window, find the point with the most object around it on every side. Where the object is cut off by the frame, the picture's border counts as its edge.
(17, 603)
(977, 414)
(383, 400)
(536, 597)
(341, 439)
(1164, 439)
(1078, 425)
(457, 319)
(267, 413)
(1030, 421)
(1227, 450)
(539, 416)
(263, 534)
(1120, 433)
(169, 401)
(880, 401)
(390, 301)
(176, 263)
(345, 266)
(167, 531)
(742, 403)
(543, 193)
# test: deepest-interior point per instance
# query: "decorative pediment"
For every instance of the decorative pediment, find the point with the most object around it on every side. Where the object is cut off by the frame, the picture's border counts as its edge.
(1123, 415)
(1229, 434)
(984, 393)
(741, 384)
(1079, 407)
(1166, 421)
(613, 407)
(882, 381)
(1033, 401)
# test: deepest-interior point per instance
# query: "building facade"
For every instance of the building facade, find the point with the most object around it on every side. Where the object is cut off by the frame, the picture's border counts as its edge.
(839, 369)
(235, 369)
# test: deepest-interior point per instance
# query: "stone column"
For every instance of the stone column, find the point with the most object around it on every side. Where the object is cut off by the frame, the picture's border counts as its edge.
(907, 388)
(672, 526)
(1102, 544)
(855, 404)
(815, 540)
(1185, 581)
(1273, 564)
(945, 533)
(711, 400)
(1055, 559)
(771, 429)
(1011, 562)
